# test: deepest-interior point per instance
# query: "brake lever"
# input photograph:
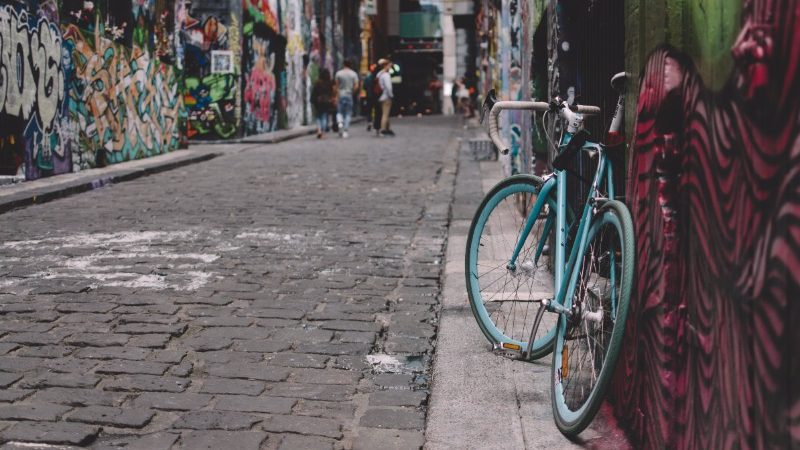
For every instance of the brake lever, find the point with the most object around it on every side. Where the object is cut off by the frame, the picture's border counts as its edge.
(488, 103)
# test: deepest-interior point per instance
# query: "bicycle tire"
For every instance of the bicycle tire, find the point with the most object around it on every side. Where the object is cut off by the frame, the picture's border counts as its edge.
(504, 325)
(574, 403)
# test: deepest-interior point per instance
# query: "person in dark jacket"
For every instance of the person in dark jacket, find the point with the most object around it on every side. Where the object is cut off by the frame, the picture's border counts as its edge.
(373, 107)
(323, 97)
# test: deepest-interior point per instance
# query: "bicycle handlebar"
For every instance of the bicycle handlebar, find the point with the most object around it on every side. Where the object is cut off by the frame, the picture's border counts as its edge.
(494, 133)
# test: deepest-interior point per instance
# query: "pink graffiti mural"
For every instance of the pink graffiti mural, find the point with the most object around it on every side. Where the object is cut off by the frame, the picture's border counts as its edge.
(712, 357)
(260, 82)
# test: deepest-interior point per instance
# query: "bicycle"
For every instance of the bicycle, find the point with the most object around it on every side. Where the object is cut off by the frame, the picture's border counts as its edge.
(510, 267)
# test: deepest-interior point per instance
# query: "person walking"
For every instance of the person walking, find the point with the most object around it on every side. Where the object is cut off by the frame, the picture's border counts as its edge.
(323, 98)
(463, 102)
(385, 82)
(346, 85)
(373, 93)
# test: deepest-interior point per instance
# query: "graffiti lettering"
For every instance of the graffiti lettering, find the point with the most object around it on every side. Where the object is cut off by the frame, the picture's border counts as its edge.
(31, 76)
(125, 102)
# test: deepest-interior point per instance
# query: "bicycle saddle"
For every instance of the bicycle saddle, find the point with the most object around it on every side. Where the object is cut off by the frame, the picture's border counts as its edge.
(488, 103)
(618, 81)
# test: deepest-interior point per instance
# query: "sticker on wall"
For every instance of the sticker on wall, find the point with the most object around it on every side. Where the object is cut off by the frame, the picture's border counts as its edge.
(221, 61)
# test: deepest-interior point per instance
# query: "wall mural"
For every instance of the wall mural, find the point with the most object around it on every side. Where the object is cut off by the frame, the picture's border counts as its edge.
(711, 357)
(123, 94)
(96, 85)
(85, 84)
(211, 95)
(32, 93)
(313, 43)
(263, 63)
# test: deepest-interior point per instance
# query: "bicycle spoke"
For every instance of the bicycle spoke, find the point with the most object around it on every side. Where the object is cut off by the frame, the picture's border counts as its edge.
(587, 336)
(502, 298)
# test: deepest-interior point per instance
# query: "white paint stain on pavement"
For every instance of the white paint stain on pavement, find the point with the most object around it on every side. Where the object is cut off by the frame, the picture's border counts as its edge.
(139, 259)
(132, 259)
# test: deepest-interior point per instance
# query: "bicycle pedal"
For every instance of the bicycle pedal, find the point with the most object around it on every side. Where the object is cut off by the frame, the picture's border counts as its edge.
(509, 346)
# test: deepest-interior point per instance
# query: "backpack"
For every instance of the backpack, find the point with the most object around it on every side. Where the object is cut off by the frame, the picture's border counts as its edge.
(319, 98)
(377, 90)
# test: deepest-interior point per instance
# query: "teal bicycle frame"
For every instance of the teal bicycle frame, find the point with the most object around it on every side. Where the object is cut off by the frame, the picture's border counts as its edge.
(592, 271)
(558, 181)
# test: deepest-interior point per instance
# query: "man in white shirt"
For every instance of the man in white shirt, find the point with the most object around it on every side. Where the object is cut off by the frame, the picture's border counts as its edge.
(385, 80)
(346, 84)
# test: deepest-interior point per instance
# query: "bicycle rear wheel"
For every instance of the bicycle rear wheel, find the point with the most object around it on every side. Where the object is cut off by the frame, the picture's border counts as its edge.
(588, 342)
(505, 301)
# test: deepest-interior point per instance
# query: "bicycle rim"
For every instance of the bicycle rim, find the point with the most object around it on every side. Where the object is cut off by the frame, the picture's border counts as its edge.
(588, 342)
(503, 301)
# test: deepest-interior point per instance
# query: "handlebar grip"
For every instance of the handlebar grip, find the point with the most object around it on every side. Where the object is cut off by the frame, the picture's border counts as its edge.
(494, 130)
(510, 104)
(588, 110)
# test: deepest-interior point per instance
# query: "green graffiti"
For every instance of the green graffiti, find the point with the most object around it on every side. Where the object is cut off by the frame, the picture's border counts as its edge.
(211, 105)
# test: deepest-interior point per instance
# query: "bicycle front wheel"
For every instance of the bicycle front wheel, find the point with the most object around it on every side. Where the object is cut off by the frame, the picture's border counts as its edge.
(589, 338)
(504, 300)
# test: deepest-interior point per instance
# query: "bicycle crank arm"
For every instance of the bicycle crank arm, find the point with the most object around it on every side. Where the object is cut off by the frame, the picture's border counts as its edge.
(547, 305)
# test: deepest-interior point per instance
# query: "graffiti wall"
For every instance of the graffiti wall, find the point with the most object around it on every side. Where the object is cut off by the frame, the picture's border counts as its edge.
(123, 90)
(32, 93)
(264, 51)
(86, 84)
(505, 31)
(210, 32)
(712, 349)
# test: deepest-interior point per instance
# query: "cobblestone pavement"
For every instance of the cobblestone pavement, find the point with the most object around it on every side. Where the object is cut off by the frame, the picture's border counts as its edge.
(283, 297)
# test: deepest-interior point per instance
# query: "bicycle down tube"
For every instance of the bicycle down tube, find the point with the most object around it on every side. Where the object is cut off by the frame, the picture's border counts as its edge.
(557, 180)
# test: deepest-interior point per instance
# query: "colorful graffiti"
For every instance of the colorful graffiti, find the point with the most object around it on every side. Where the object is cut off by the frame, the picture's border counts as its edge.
(262, 11)
(711, 357)
(85, 84)
(124, 100)
(31, 94)
(314, 46)
(514, 76)
(260, 90)
(211, 97)
(211, 106)
(263, 67)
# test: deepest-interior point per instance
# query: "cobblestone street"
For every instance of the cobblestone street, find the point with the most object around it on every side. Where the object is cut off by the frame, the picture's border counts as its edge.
(284, 296)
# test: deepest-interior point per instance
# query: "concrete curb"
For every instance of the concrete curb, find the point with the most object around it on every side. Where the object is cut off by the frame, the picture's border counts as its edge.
(266, 138)
(275, 137)
(89, 180)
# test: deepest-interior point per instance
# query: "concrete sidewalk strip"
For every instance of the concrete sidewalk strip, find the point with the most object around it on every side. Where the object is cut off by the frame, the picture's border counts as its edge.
(275, 137)
(47, 189)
